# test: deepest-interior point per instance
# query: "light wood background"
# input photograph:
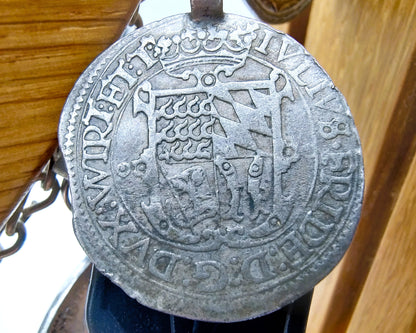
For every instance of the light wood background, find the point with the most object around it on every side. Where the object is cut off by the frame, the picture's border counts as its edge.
(368, 47)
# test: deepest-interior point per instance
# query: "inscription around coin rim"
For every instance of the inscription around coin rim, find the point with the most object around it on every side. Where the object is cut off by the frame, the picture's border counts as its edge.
(156, 257)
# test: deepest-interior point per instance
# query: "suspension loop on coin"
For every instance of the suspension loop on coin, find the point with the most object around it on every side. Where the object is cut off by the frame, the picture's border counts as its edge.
(135, 21)
(206, 9)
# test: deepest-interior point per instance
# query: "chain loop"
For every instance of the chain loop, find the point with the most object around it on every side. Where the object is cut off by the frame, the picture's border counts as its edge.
(14, 223)
(21, 236)
(66, 193)
(53, 186)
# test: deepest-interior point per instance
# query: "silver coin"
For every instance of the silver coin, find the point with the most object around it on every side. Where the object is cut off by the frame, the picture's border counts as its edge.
(215, 170)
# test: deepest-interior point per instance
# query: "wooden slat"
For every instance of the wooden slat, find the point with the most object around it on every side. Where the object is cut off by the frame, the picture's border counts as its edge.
(20, 11)
(40, 35)
(368, 48)
(44, 46)
(388, 302)
(59, 60)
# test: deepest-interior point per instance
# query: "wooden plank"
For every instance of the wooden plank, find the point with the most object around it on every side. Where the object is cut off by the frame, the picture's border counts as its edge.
(369, 50)
(44, 46)
(18, 11)
(388, 302)
(40, 35)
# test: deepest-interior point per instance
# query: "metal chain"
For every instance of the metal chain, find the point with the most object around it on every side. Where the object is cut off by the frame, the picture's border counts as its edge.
(15, 221)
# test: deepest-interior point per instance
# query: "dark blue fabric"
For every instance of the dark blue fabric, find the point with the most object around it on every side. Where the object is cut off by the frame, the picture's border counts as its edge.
(110, 310)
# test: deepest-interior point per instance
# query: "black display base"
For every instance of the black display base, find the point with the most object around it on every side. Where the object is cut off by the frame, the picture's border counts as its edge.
(110, 310)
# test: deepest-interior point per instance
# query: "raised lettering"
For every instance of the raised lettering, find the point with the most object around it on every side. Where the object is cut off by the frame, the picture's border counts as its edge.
(112, 94)
(339, 163)
(293, 248)
(283, 55)
(339, 186)
(93, 184)
(94, 145)
(212, 276)
(323, 103)
(143, 52)
(334, 212)
(118, 226)
(99, 114)
(162, 263)
(303, 67)
(320, 86)
(142, 245)
(265, 42)
(256, 268)
(314, 232)
(121, 73)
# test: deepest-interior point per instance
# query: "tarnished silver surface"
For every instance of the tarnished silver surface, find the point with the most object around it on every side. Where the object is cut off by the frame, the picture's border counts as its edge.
(215, 170)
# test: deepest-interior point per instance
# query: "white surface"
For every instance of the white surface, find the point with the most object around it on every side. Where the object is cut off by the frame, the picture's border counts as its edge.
(31, 279)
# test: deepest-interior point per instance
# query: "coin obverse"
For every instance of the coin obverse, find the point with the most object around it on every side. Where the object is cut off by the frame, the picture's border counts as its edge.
(215, 170)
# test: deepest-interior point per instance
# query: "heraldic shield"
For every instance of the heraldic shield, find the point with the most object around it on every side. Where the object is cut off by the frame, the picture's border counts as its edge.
(215, 151)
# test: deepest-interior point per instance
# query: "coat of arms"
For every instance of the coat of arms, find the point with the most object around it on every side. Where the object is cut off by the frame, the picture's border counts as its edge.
(216, 150)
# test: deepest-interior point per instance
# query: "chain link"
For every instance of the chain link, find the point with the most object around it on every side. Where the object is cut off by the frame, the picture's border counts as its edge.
(66, 193)
(15, 221)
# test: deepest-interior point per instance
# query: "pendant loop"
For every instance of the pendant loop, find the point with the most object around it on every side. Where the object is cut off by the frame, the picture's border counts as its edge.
(206, 9)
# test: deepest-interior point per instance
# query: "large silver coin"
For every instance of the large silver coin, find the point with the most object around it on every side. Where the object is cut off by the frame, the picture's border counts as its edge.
(215, 170)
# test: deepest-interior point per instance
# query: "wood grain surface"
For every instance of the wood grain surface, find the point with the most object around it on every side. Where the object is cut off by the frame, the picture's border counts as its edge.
(44, 46)
(368, 48)
(387, 302)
